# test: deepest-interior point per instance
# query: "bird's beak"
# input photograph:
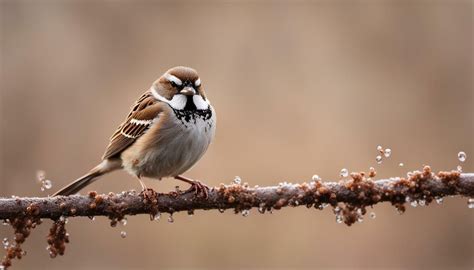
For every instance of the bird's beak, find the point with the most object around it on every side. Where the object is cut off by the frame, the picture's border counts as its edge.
(188, 91)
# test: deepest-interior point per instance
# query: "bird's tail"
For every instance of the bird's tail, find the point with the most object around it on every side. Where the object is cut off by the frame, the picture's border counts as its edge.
(74, 187)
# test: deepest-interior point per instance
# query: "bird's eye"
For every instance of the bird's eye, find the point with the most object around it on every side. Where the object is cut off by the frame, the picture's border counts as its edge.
(173, 84)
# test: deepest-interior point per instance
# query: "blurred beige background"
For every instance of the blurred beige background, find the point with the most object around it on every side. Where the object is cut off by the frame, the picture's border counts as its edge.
(300, 89)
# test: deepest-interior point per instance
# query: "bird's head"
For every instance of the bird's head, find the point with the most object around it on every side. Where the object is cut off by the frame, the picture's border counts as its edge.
(181, 88)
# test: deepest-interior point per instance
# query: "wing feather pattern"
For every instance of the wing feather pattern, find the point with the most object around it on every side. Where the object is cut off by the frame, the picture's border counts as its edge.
(140, 118)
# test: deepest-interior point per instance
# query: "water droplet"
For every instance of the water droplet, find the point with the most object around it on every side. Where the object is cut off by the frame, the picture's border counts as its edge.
(401, 164)
(339, 218)
(344, 172)
(378, 159)
(42, 188)
(379, 148)
(261, 208)
(462, 156)
(5, 243)
(47, 184)
(459, 168)
(237, 180)
(221, 210)
(414, 203)
(92, 218)
(320, 206)
(123, 234)
(157, 216)
(123, 221)
(470, 203)
(336, 210)
(316, 178)
(400, 211)
(190, 212)
(422, 202)
(387, 152)
(372, 215)
(40, 176)
(439, 200)
(6, 222)
(245, 213)
(360, 218)
(170, 218)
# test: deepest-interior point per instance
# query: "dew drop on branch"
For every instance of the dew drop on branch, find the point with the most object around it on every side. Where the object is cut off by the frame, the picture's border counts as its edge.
(344, 172)
(422, 202)
(237, 180)
(462, 156)
(157, 216)
(387, 152)
(439, 200)
(378, 159)
(5, 243)
(47, 184)
(123, 221)
(459, 168)
(372, 215)
(245, 213)
(316, 178)
(401, 164)
(123, 234)
(170, 218)
(379, 148)
(339, 218)
(470, 203)
(190, 212)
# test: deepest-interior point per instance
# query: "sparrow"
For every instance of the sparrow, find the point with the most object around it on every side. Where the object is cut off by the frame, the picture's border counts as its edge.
(168, 129)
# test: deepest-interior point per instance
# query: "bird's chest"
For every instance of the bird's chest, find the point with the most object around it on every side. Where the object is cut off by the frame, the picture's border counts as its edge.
(176, 144)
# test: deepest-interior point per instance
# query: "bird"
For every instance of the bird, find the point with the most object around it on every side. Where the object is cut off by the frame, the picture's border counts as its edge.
(168, 129)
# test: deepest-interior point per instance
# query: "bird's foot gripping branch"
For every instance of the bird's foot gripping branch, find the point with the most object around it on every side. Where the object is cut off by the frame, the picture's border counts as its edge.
(348, 198)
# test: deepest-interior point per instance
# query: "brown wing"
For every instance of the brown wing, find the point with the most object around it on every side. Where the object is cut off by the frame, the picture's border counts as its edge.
(141, 117)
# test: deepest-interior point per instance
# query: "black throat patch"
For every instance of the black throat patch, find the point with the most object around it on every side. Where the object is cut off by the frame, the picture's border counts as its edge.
(189, 114)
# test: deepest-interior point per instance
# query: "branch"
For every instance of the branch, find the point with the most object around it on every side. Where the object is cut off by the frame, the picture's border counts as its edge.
(349, 200)
(358, 192)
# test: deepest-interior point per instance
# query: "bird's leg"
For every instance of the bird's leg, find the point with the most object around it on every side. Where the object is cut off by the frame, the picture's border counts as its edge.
(148, 193)
(196, 186)
(142, 184)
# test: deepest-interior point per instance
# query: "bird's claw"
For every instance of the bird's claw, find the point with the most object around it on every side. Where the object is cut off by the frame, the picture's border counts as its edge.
(199, 189)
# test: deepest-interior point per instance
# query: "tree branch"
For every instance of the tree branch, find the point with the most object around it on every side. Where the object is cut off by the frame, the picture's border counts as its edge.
(348, 198)
(358, 192)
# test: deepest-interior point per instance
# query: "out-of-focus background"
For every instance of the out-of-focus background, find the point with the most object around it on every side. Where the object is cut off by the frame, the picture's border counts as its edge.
(300, 89)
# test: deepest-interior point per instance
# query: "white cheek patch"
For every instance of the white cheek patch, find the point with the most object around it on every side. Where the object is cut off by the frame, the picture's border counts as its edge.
(200, 103)
(174, 79)
(178, 102)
